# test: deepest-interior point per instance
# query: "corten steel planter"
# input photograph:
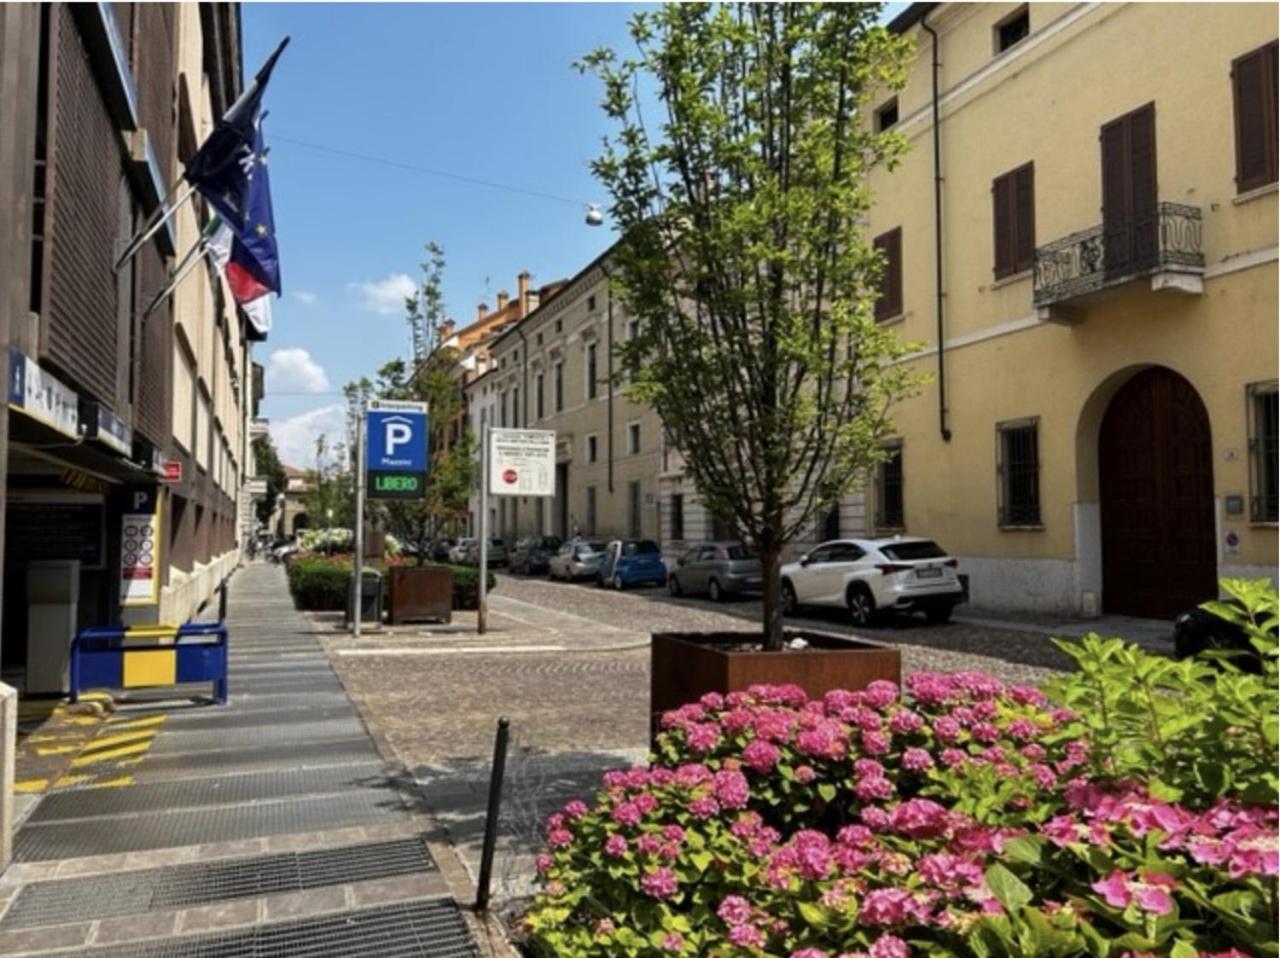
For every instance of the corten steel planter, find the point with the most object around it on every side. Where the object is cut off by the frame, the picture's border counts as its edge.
(687, 665)
(419, 594)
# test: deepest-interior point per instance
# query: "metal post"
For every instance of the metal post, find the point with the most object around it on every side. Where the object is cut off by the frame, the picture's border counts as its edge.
(482, 608)
(491, 815)
(358, 560)
(162, 213)
(222, 602)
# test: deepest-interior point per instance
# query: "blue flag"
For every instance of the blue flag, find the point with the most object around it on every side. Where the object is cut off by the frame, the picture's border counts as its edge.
(221, 168)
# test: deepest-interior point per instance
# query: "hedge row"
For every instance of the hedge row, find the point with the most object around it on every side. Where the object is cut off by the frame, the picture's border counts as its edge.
(321, 583)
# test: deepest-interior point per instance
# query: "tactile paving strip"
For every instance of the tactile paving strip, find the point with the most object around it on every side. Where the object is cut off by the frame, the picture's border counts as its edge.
(184, 886)
(108, 836)
(175, 740)
(427, 929)
(248, 758)
(163, 797)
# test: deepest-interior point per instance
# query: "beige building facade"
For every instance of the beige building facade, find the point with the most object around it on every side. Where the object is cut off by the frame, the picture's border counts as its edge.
(1083, 248)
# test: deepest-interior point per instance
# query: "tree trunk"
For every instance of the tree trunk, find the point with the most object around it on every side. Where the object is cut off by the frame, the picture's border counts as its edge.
(770, 568)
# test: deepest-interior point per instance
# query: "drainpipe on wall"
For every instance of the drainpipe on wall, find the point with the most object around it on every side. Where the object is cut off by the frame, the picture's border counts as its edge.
(608, 298)
(943, 428)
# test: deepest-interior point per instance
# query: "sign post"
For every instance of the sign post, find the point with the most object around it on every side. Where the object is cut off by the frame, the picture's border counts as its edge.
(513, 462)
(391, 457)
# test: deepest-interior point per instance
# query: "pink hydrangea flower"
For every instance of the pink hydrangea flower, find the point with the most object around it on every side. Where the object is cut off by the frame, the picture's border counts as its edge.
(1150, 893)
(704, 807)
(890, 946)
(575, 810)
(746, 936)
(673, 942)
(660, 883)
(734, 910)
(615, 846)
(761, 756)
(916, 760)
(703, 737)
(805, 774)
(560, 838)
(732, 790)
(626, 813)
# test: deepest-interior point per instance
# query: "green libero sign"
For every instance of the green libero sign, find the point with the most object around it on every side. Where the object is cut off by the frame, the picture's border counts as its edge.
(395, 485)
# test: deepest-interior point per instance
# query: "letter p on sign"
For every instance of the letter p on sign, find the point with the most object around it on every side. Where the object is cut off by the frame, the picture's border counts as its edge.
(398, 433)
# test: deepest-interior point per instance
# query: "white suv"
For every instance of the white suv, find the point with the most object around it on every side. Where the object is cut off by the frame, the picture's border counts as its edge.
(868, 576)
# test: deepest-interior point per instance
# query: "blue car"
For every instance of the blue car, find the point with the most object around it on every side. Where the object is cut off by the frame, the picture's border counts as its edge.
(632, 562)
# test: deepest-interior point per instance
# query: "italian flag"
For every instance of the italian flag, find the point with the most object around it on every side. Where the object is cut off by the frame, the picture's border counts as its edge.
(250, 292)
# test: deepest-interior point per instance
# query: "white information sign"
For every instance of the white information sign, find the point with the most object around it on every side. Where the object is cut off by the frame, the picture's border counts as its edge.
(522, 462)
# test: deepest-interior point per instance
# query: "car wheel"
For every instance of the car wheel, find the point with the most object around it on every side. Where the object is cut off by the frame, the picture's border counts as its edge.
(618, 583)
(862, 607)
(713, 591)
(789, 604)
(938, 612)
(673, 586)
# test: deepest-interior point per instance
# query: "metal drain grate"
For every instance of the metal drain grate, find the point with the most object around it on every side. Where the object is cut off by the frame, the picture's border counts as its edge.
(164, 797)
(185, 886)
(429, 929)
(175, 740)
(209, 764)
(107, 836)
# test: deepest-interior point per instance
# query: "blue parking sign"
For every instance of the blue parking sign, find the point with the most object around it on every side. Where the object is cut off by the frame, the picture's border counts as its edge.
(396, 449)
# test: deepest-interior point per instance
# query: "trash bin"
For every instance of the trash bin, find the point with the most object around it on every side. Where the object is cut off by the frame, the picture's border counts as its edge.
(370, 597)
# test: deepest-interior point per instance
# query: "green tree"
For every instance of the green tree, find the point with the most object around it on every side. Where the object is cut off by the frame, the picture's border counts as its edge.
(743, 252)
(268, 465)
(329, 500)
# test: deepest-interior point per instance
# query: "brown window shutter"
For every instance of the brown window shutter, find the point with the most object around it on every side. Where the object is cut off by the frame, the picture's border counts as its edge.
(1254, 82)
(1002, 200)
(889, 302)
(1024, 204)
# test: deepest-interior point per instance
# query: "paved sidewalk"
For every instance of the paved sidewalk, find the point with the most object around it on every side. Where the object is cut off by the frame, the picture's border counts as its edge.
(269, 826)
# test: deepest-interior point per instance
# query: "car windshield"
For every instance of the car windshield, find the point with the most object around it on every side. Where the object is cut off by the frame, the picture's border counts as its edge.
(644, 547)
(910, 551)
(740, 552)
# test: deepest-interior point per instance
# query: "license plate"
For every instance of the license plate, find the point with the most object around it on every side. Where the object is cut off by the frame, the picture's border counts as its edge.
(929, 572)
(752, 583)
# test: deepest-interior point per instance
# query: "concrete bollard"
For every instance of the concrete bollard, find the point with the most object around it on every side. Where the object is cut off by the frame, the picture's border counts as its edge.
(8, 749)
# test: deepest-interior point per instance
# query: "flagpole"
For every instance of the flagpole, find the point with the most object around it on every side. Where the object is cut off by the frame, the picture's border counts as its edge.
(153, 224)
(188, 264)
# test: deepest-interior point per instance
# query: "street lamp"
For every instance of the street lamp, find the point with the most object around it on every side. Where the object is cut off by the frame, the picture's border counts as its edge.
(594, 216)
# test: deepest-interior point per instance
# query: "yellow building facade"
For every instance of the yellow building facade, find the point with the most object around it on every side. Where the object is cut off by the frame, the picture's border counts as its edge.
(1098, 434)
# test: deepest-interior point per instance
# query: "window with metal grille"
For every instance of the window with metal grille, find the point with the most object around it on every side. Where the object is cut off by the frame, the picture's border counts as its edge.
(889, 513)
(1012, 29)
(677, 517)
(1253, 84)
(591, 370)
(591, 510)
(1263, 451)
(1018, 472)
(1013, 207)
(889, 298)
(633, 509)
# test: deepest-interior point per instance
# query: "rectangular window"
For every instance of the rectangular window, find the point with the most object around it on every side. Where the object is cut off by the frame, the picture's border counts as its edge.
(1253, 82)
(515, 406)
(633, 439)
(889, 299)
(502, 409)
(591, 370)
(559, 326)
(1012, 29)
(559, 385)
(591, 303)
(1013, 206)
(828, 526)
(633, 509)
(591, 510)
(1262, 452)
(593, 448)
(889, 512)
(887, 116)
(633, 329)
(677, 517)
(1018, 472)
(538, 384)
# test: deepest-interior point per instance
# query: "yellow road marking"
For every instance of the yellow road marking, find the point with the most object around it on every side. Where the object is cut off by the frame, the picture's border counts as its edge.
(43, 750)
(31, 785)
(134, 749)
(68, 781)
(125, 722)
(108, 741)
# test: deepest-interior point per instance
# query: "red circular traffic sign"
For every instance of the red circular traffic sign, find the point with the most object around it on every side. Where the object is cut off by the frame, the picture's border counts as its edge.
(509, 477)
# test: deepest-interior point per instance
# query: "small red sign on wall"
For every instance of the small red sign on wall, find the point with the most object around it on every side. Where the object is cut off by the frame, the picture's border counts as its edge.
(172, 470)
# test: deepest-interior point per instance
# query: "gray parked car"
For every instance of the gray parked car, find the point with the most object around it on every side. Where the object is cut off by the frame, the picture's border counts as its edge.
(577, 559)
(471, 552)
(718, 569)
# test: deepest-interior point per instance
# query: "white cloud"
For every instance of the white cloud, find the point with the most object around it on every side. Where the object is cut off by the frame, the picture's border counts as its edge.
(385, 296)
(294, 371)
(305, 296)
(295, 437)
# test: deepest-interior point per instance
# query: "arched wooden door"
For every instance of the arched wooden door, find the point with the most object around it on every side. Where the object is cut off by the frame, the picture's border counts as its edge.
(1155, 465)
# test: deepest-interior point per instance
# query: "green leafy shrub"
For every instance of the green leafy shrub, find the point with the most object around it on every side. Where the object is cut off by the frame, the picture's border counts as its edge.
(322, 583)
(1194, 730)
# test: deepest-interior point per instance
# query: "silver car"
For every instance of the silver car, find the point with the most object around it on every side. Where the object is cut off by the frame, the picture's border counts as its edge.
(578, 559)
(718, 569)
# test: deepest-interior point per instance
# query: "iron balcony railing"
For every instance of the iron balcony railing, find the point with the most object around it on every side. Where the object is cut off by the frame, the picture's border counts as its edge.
(1117, 250)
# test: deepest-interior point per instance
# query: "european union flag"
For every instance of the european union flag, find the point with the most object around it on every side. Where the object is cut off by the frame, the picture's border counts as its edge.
(221, 168)
(254, 267)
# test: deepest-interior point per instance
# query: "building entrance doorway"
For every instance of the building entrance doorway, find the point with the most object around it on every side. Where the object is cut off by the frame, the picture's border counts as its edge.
(562, 500)
(1155, 472)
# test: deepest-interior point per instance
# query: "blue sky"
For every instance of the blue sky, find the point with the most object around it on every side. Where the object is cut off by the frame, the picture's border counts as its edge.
(482, 90)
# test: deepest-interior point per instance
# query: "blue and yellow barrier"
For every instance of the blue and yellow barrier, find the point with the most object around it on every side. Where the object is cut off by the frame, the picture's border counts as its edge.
(115, 657)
